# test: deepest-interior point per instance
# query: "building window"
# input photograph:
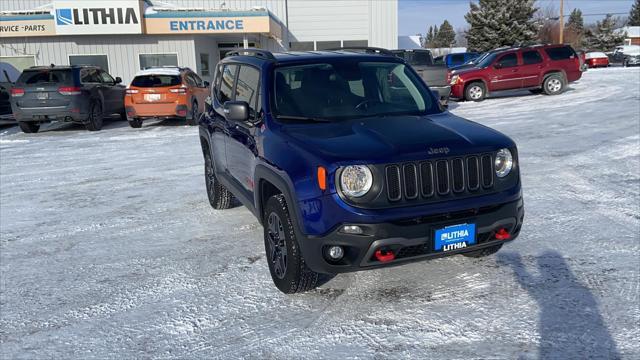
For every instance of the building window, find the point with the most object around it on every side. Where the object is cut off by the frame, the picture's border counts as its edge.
(96, 60)
(355, 43)
(204, 65)
(324, 45)
(154, 60)
(301, 46)
(12, 66)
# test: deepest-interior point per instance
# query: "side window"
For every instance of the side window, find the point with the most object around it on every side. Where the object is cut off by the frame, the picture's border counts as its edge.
(560, 53)
(106, 78)
(226, 83)
(247, 87)
(216, 81)
(197, 79)
(508, 60)
(189, 79)
(457, 58)
(531, 57)
(89, 76)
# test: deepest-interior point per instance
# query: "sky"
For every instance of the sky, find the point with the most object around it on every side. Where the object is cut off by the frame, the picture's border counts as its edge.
(415, 16)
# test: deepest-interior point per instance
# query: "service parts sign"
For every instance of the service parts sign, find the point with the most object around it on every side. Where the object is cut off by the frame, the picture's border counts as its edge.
(98, 17)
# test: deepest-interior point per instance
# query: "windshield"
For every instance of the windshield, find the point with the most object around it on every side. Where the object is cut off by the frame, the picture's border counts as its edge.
(146, 81)
(416, 58)
(477, 59)
(487, 60)
(349, 89)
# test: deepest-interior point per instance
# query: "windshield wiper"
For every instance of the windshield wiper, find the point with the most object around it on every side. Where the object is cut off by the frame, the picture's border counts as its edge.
(302, 118)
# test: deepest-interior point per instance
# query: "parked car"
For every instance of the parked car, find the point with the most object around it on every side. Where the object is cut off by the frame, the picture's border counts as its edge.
(349, 164)
(542, 68)
(596, 59)
(457, 59)
(622, 52)
(436, 76)
(79, 94)
(631, 60)
(165, 92)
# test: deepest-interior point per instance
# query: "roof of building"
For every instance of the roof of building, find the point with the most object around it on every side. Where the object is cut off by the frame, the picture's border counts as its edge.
(409, 42)
(632, 31)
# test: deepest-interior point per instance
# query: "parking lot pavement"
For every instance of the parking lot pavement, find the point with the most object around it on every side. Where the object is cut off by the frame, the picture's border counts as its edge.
(109, 249)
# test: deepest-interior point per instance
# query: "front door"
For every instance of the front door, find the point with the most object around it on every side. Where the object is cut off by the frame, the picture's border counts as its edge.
(113, 94)
(505, 73)
(242, 151)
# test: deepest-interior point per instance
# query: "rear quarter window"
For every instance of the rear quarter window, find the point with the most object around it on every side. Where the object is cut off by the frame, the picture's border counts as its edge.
(156, 80)
(47, 76)
(560, 53)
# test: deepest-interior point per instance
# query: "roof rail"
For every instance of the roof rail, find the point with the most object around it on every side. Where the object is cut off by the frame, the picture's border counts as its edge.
(365, 49)
(265, 54)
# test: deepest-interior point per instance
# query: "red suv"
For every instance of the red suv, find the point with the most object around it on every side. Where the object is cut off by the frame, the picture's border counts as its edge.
(540, 68)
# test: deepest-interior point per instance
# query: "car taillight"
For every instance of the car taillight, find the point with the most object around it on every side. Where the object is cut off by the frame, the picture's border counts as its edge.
(17, 92)
(69, 90)
(131, 91)
(180, 90)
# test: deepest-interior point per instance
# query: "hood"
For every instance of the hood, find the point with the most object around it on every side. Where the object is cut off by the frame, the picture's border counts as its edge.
(466, 71)
(395, 138)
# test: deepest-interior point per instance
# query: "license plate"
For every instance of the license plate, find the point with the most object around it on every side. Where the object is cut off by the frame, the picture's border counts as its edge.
(42, 96)
(455, 237)
(152, 97)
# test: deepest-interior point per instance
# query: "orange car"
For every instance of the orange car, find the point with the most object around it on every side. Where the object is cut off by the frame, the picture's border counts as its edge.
(163, 93)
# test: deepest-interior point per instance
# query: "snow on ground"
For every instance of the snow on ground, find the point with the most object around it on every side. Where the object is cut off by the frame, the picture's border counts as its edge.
(109, 249)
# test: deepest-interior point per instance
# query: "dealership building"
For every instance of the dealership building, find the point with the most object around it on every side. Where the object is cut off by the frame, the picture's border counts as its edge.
(124, 36)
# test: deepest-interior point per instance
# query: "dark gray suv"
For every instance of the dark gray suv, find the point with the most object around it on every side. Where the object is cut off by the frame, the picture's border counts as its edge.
(80, 94)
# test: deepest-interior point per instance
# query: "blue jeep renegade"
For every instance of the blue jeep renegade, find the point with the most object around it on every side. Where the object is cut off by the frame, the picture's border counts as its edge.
(349, 163)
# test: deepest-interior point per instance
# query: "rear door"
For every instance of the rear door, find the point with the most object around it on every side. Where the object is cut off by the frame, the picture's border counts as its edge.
(505, 73)
(564, 58)
(531, 69)
(42, 88)
(197, 89)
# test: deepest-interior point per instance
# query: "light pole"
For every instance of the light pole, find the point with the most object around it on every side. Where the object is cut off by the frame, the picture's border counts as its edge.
(561, 21)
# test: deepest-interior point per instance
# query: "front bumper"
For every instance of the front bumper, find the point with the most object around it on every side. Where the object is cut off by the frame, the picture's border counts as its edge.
(410, 239)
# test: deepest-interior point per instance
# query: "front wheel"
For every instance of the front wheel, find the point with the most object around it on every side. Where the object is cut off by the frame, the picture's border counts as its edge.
(195, 115)
(29, 127)
(94, 123)
(483, 252)
(475, 92)
(288, 269)
(553, 84)
(219, 197)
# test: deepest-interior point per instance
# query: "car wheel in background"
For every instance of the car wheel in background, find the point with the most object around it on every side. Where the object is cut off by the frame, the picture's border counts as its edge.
(483, 252)
(29, 127)
(476, 91)
(195, 115)
(219, 197)
(94, 123)
(553, 84)
(288, 269)
(135, 123)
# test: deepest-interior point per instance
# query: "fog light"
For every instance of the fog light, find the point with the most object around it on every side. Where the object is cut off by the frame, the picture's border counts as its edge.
(336, 252)
(352, 229)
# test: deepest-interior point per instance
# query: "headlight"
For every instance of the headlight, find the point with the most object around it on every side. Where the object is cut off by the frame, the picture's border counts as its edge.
(503, 163)
(356, 180)
(454, 79)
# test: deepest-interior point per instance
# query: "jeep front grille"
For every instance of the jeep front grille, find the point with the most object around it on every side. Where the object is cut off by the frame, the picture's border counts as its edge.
(442, 178)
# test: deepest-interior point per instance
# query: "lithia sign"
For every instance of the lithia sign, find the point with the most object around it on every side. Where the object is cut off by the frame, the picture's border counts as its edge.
(98, 17)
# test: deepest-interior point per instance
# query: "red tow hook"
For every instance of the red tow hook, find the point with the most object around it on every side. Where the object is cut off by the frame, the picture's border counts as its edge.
(384, 255)
(502, 234)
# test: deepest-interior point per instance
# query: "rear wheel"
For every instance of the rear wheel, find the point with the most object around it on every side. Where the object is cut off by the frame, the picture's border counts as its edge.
(553, 84)
(219, 197)
(94, 123)
(483, 252)
(29, 127)
(195, 115)
(475, 91)
(288, 269)
(135, 123)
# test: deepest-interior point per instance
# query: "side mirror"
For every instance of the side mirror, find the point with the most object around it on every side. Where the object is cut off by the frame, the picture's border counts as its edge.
(206, 84)
(236, 111)
(497, 66)
(118, 79)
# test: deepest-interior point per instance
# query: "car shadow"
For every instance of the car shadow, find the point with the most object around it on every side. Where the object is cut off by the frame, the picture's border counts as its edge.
(164, 122)
(108, 124)
(570, 324)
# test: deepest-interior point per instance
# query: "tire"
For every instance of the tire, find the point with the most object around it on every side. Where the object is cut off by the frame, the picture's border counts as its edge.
(483, 252)
(94, 123)
(536, 91)
(29, 127)
(554, 84)
(219, 197)
(135, 123)
(288, 269)
(195, 115)
(476, 91)
(123, 115)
